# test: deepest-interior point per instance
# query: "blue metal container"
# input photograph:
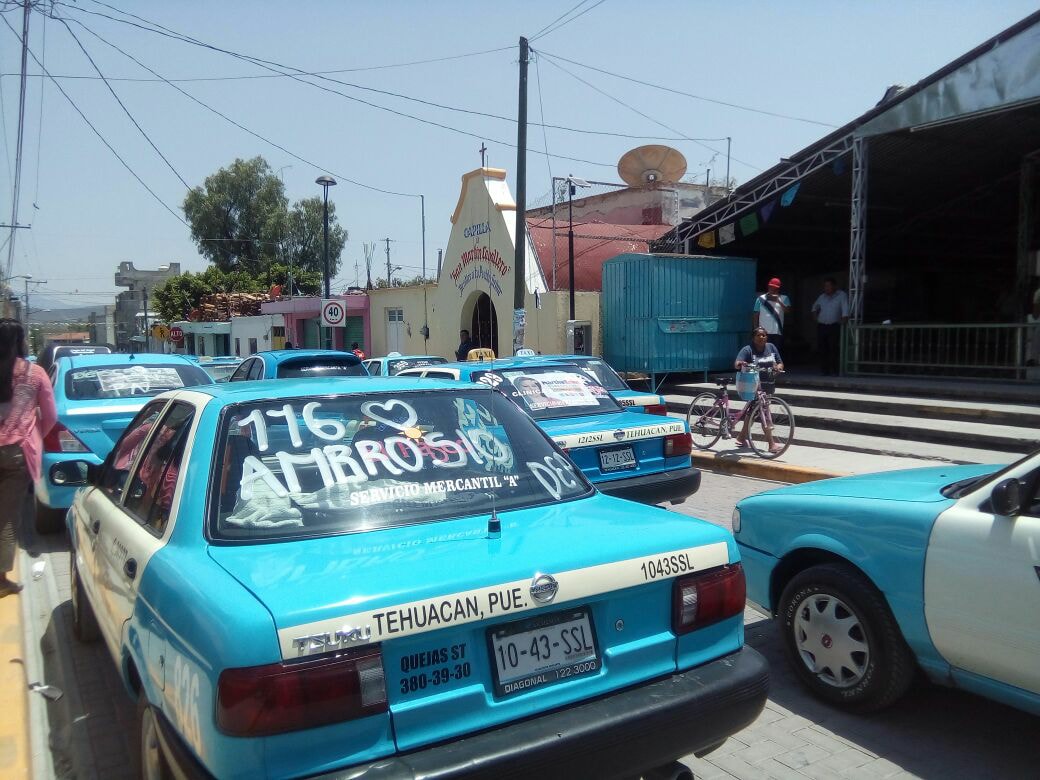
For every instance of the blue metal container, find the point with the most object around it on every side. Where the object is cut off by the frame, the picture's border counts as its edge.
(672, 313)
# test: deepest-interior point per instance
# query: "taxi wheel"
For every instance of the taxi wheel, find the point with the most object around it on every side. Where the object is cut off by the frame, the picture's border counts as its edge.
(153, 762)
(47, 520)
(842, 641)
(84, 621)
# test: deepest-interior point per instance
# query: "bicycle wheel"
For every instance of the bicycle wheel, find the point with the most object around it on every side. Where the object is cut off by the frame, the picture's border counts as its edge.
(705, 420)
(771, 415)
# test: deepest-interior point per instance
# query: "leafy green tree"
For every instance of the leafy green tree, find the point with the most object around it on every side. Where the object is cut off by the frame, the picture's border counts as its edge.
(240, 220)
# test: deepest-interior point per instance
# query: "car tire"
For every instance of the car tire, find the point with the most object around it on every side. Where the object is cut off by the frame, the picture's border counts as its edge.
(153, 761)
(842, 641)
(47, 520)
(84, 621)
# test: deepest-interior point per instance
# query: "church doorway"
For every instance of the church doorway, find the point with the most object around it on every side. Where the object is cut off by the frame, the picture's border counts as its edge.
(484, 326)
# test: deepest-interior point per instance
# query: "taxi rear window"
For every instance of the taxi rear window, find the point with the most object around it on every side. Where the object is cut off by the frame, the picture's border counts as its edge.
(359, 462)
(320, 366)
(130, 381)
(393, 367)
(549, 392)
(603, 374)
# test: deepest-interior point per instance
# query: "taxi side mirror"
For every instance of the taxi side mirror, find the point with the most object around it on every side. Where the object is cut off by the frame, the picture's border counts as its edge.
(75, 473)
(1006, 498)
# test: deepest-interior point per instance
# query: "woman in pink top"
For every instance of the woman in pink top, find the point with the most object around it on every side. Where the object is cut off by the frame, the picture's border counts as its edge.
(27, 414)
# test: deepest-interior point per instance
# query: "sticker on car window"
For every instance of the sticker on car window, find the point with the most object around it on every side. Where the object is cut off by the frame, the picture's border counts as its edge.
(138, 379)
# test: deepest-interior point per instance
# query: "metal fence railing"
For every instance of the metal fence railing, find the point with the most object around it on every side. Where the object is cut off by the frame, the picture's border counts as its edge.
(979, 351)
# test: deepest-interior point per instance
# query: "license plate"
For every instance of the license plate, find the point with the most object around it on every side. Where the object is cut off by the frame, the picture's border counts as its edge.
(617, 459)
(540, 651)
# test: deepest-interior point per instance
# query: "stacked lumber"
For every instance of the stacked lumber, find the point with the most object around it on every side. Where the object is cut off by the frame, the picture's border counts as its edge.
(219, 307)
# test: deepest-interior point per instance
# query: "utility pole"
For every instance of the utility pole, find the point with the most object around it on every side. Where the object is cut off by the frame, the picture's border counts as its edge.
(370, 251)
(388, 272)
(144, 292)
(27, 7)
(519, 272)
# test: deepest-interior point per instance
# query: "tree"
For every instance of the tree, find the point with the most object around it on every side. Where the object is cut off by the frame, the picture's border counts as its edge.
(304, 241)
(240, 221)
(176, 297)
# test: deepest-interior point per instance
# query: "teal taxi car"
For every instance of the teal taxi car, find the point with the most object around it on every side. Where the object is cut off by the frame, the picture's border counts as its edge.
(624, 453)
(375, 578)
(604, 373)
(96, 395)
(875, 577)
(298, 363)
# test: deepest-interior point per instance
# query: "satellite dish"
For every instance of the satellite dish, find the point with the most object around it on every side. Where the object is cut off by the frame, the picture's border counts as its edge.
(651, 164)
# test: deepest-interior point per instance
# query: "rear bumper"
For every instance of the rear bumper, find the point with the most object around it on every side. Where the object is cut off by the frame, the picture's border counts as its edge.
(616, 736)
(667, 486)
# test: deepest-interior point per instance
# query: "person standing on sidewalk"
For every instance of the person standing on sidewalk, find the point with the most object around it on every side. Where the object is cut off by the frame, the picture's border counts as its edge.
(27, 414)
(769, 311)
(832, 311)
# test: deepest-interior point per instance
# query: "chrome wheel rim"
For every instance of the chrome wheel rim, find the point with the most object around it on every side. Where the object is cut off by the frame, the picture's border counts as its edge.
(151, 756)
(831, 640)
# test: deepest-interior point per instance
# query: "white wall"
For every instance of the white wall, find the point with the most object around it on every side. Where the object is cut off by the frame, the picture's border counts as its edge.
(258, 327)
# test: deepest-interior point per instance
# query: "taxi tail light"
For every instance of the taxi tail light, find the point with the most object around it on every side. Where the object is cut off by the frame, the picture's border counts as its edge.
(656, 409)
(677, 444)
(263, 700)
(61, 439)
(707, 598)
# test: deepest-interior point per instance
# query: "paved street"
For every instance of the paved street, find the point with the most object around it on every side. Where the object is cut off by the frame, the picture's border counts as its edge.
(931, 733)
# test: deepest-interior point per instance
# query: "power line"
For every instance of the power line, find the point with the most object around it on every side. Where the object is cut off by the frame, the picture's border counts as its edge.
(97, 132)
(554, 21)
(690, 95)
(562, 24)
(122, 105)
(297, 76)
(645, 116)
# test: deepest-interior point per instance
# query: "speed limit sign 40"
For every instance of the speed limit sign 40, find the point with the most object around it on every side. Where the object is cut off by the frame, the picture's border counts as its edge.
(333, 313)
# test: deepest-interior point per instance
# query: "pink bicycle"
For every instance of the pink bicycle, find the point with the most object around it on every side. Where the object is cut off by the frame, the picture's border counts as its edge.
(771, 427)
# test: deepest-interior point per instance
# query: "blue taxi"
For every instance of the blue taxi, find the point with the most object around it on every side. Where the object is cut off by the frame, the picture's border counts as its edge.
(96, 395)
(370, 577)
(293, 363)
(604, 373)
(395, 362)
(623, 452)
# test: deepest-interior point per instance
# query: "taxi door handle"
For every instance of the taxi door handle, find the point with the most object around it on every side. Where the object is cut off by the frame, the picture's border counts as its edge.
(130, 568)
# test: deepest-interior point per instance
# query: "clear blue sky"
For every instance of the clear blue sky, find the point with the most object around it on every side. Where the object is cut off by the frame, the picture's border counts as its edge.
(822, 61)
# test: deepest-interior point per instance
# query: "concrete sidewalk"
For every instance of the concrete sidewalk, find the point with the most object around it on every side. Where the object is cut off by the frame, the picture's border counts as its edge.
(14, 689)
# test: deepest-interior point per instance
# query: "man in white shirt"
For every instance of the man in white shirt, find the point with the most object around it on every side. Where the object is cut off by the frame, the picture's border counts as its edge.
(831, 310)
(769, 311)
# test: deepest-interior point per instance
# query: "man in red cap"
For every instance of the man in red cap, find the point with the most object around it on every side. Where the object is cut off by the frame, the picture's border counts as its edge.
(769, 311)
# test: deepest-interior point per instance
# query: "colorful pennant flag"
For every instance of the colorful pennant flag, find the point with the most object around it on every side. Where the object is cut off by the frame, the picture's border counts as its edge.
(706, 240)
(748, 224)
(727, 233)
(767, 210)
(789, 195)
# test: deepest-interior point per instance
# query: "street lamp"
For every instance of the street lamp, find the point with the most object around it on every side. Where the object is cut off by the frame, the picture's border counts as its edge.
(572, 182)
(325, 182)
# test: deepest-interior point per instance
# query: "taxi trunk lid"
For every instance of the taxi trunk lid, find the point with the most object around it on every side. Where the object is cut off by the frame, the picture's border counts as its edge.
(100, 423)
(466, 621)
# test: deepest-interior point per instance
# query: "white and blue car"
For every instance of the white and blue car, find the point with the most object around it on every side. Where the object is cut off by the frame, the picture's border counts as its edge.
(369, 578)
(874, 577)
(96, 395)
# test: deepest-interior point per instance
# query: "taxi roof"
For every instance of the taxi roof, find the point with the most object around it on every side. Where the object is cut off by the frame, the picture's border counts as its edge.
(261, 389)
(128, 359)
(281, 355)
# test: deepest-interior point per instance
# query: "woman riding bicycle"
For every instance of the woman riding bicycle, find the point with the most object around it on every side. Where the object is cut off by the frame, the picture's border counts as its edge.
(766, 357)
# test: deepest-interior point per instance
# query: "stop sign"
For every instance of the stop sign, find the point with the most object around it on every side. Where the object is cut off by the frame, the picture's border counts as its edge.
(176, 335)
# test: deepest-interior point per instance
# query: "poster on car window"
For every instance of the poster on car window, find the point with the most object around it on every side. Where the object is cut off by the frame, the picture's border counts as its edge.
(138, 379)
(555, 389)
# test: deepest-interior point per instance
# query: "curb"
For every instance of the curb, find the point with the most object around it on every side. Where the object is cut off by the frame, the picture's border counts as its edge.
(727, 463)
